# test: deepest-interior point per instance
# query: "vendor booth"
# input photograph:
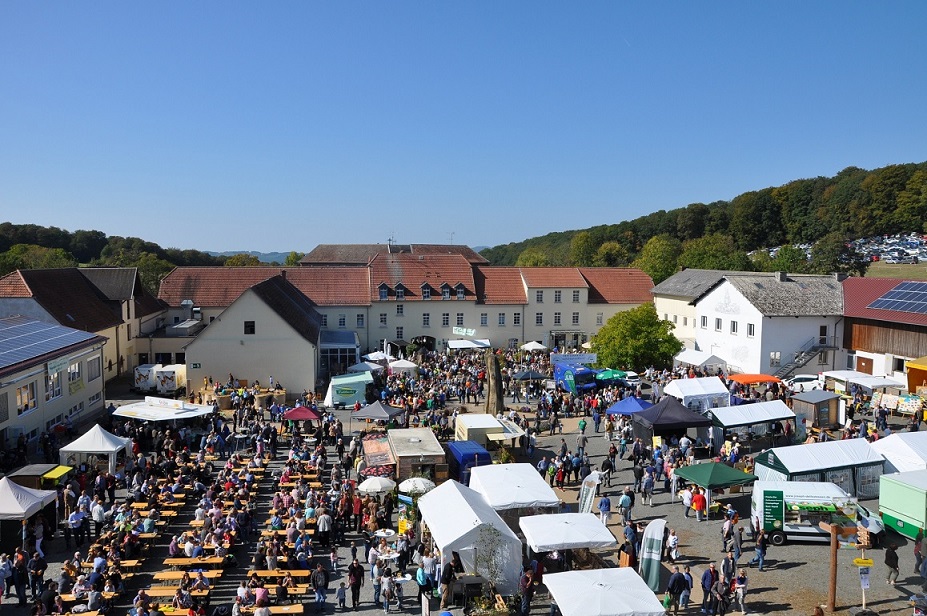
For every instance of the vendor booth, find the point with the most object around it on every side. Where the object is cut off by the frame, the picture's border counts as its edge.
(417, 452)
(819, 409)
(513, 486)
(460, 521)
(18, 504)
(365, 366)
(852, 464)
(603, 592)
(699, 394)
(377, 412)
(482, 343)
(565, 531)
(917, 375)
(840, 381)
(403, 365)
(477, 427)
(748, 421)
(668, 417)
(162, 409)
(903, 451)
(714, 476)
(698, 359)
(346, 389)
(96, 442)
(628, 406)
(40, 476)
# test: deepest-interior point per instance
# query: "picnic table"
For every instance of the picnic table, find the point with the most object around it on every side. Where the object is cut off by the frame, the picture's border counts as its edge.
(170, 576)
(275, 573)
(170, 591)
(214, 561)
(293, 608)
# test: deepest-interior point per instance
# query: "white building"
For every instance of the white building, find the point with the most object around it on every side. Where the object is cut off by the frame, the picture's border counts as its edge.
(674, 300)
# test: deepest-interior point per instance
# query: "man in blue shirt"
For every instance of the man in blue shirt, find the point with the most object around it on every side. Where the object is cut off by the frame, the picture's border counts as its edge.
(605, 509)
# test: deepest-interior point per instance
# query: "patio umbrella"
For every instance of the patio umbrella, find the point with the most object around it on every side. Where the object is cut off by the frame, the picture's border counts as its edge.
(416, 485)
(610, 375)
(533, 346)
(529, 375)
(301, 413)
(376, 485)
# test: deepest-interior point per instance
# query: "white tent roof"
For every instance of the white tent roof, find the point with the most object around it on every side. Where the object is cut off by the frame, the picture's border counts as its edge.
(19, 502)
(512, 486)
(844, 375)
(705, 387)
(534, 345)
(823, 456)
(877, 382)
(162, 409)
(698, 358)
(603, 592)
(903, 451)
(379, 356)
(749, 414)
(564, 531)
(403, 364)
(456, 515)
(482, 343)
(96, 440)
(365, 366)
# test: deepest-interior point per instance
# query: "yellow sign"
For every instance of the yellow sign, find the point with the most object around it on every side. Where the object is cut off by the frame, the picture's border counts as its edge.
(863, 562)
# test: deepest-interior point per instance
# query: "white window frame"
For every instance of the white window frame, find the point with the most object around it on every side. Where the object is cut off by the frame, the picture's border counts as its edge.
(718, 324)
(426, 319)
(426, 293)
(501, 319)
(324, 320)
(539, 318)
(704, 323)
(26, 400)
(74, 371)
(400, 310)
(576, 296)
(52, 386)
(460, 319)
(575, 319)
(360, 319)
(557, 318)
(400, 294)
(384, 294)
(445, 319)
(446, 293)
(92, 374)
(484, 319)
(516, 318)
(751, 330)
(399, 332)
(733, 328)
(342, 321)
(775, 359)
(382, 319)
(599, 318)
(539, 297)
(461, 293)
(558, 296)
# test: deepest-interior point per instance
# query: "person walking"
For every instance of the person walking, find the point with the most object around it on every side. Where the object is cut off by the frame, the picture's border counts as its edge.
(526, 588)
(605, 509)
(728, 566)
(708, 581)
(737, 540)
(740, 590)
(690, 584)
(319, 581)
(891, 561)
(686, 498)
(720, 597)
(675, 587)
(700, 504)
(355, 581)
(760, 550)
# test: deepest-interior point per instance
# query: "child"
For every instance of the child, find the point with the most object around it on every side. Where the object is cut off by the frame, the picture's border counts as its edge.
(333, 557)
(341, 595)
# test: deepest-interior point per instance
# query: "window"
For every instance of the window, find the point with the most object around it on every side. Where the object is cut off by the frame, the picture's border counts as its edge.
(426, 292)
(484, 319)
(556, 318)
(502, 319)
(360, 319)
(460, 319)
(775, 359)
(733, 328)
(717, 325)
(400, 308)
(575, 297)
(704, 322)
(539, 318)
(823, 357)
(382, 319)
(400, 295)
(516, 318)
(25, 398)
(897, 364)
(74, 372)
(685, 321)
(342, 321)
(324, 320)
(384, 293)
(52, 386)
(575, 319)
(426, 319)
(557, 296)
(249, 328)
(599, 318)
(77, 409)
(445, 319)
(751, 330)
(539, 297)
(461, 292)
(95, 398)
(94, 368)
(446, 293)
(399, 333)
(675, 318)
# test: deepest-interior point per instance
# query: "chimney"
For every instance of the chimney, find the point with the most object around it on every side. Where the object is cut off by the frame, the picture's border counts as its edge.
(283, 273)
(840, 276)
(782, 276)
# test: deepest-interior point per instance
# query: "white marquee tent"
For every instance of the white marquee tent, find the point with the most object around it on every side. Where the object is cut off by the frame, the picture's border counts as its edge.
(96, 441)
(162, 409)
(852, 464)
(460, 521)
(365, 366)
(903, 451)
(403, 365)
(19, 502)
(699, 394)
(750, 414)
(479, 343)
(603, 592)
(512, 486)
(565, 531)
(698, 359)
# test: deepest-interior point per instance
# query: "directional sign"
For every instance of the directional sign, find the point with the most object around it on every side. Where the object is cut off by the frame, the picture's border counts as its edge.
(863, 562)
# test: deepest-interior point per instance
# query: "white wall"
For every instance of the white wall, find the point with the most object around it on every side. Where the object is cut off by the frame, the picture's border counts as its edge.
(681, 314)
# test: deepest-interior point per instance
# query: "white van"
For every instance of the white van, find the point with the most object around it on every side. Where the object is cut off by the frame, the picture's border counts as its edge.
(793, 510)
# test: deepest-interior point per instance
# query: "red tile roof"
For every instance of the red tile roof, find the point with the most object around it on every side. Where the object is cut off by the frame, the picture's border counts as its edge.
(415, 270)
(66, 295)
(218, 287)
(13, 285)
(549, 277)
(860, 292)
(361, 254)
(617, 285)
(499, 285)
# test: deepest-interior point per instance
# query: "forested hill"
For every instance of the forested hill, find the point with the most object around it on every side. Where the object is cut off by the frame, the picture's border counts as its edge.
(854, 203)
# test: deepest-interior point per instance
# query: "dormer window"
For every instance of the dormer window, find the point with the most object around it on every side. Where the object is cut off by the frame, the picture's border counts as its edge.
(384, 292)
(426, 292)
(445, 291)
(400, 293)
(460, 291)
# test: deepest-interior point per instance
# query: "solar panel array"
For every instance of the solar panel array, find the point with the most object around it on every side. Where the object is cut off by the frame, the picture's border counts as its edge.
(904, 297)
(22, 339)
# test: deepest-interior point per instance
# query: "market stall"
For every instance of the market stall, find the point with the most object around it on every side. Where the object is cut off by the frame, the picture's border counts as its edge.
(377, 412)
(714, 476)
(417, 452)
(852, 464)
(513, 486)
(40, 476)
(903, 451)
(565, 531)
(628, 406)
(162, 409)
(346, 389)
(818, 409)
(699, 394)
(95, 442)
(603, 592)
(667, 417)
(917, 375)
(460, 520)
(697, 359)
(17, 504)
(748, 421)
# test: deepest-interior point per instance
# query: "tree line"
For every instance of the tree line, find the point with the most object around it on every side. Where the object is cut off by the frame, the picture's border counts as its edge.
(824, 212)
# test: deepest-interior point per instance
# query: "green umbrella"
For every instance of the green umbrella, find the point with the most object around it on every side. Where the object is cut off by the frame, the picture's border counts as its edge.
(610, 375)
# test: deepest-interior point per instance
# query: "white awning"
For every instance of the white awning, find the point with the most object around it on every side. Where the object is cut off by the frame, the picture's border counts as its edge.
(751, 414)
(698, 358)
(512, 486)
(877, 382)
(564, 531)
(603, 592)
(162, 409)
(482, 343)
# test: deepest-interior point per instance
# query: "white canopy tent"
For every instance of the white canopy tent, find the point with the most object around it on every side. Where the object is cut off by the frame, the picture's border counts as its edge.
(365, 366)
(534, 345)
(378, 356)
(698, 359)
(750, 414)
(403, 365)
(699, 394)
(162, 409)
(903, 451)
(481, 343)
(878, 382)
(19, 502)
(96, 441)
(603, 592)
(565, 531)
(512, 486)
(852, 464)
(461, 521)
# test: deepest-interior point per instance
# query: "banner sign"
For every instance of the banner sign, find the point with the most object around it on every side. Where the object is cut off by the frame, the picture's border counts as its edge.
(651, 551)
(58, 365)
(463, 331)
(587, 492)
(574, 358)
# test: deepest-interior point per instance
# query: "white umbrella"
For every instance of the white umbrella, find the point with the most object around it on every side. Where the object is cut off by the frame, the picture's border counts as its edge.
(533, 346)
(416, 485)
(376, 485)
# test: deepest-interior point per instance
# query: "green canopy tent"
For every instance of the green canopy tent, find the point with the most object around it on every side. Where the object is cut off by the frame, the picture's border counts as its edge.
(610, 374)
(714, 476)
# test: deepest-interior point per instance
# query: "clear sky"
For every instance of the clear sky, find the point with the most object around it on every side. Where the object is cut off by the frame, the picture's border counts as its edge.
(276, 126)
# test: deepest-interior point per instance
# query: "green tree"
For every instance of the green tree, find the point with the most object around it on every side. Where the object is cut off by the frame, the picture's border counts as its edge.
(87, 245)
(532, 257)
(242, 259)
(293, 258)
(833, 254)
(716, 252)
(635, 339)
(611, 254)
(582, 249)
(30, 256)
(911, 211)
(790, 259)
(692, 220)
(658, 257)
(151, 270)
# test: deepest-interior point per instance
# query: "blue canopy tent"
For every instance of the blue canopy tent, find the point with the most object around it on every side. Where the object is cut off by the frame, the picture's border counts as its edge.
(628, 406)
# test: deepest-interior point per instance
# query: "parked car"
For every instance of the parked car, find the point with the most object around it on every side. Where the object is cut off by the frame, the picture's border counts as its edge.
(804, 382)
(631, 379)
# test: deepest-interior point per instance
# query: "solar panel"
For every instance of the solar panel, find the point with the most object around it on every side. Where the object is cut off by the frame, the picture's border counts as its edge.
(22, 339)
(908, 296)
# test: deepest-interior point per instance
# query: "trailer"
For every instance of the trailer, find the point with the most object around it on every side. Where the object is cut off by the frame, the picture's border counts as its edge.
(172, 379)
(145, 380)
(903, 502)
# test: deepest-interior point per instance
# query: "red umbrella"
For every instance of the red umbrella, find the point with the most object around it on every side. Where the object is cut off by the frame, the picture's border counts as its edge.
(300, 413)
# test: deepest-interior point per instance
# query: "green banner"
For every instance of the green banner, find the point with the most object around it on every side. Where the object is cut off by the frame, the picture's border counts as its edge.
(570, 381)
(773, 510)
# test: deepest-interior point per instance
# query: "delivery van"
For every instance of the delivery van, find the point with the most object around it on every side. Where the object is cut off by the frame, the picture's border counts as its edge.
(464, 455)
(793, 511)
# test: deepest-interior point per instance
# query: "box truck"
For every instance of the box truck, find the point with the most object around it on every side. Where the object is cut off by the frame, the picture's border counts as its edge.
(172, 379)
(793, 511)
(464, 455)
(145, 381)
(903, 502)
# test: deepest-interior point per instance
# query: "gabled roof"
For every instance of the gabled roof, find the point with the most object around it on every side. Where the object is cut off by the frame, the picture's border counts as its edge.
(689, 283)
(291, 306)
(116, 283)
(362, 254)
(795, 296)
(499, 285)
(550, 277)
(412, 270)
(66, 295)
(860, 292)
(26, 342)
(617, 285)
(219, 286)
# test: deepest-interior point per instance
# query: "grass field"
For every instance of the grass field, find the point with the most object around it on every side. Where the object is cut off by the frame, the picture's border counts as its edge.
(878, 269)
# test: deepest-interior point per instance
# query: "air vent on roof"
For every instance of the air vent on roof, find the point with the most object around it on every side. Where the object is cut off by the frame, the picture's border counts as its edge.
(72, 319)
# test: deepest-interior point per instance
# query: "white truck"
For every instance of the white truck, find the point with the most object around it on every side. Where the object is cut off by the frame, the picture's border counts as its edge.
(793, 511)
(171, 379)
(144, 378)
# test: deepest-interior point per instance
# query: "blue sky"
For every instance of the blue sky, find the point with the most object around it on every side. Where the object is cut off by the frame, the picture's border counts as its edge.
(279, 126)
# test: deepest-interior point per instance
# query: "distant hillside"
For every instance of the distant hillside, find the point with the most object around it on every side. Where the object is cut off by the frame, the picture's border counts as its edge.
(263, 257)
(853, 203)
